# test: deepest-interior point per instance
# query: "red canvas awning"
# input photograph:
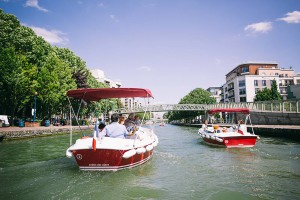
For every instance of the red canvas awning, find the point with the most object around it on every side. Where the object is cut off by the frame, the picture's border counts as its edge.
(95, 94)
(231, 110)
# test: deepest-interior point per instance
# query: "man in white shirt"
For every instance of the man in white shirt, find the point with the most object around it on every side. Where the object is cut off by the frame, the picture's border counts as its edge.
(114, 130)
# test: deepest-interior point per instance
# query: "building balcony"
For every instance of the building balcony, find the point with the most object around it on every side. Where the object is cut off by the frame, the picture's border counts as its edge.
(229, 89)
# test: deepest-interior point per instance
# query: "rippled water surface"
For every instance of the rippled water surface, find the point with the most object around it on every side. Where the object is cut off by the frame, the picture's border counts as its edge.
(182, 167)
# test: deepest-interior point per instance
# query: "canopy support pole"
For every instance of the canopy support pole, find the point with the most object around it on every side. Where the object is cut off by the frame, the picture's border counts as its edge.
(71, 134)
(76, 117)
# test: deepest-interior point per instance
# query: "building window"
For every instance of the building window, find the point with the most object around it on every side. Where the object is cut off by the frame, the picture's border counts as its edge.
(255, 82)
(242, 91)
(264, 83)
(242, 83)
(245, 69)
(242, 99)
(256, 90)
(276, 74)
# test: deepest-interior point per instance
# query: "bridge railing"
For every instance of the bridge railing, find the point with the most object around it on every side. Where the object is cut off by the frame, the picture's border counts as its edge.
(292, 106)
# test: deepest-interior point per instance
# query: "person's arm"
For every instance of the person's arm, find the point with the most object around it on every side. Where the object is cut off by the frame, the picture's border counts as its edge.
(103, 133)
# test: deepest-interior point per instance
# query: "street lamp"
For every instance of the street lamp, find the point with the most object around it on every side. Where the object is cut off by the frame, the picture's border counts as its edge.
(34, 111)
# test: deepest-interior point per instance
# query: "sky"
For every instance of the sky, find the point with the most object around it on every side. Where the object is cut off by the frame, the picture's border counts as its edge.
(168, 46)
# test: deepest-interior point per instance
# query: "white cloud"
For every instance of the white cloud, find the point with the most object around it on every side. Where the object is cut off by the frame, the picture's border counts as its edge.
(51, 36)
(261, 27)
(144, 68)
(101, 5)
(291, 17)
(35, 4)
(113, 17)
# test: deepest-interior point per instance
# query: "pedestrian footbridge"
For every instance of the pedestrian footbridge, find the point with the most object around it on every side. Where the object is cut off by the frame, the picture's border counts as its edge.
(262, 106)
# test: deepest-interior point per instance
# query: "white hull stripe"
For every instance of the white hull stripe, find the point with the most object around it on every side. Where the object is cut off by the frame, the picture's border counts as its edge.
(115, 168)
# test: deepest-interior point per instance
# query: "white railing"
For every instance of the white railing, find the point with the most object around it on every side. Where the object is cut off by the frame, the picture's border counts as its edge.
(261, 106)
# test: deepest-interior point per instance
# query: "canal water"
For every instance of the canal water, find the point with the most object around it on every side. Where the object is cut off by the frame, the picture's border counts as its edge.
(182, 167)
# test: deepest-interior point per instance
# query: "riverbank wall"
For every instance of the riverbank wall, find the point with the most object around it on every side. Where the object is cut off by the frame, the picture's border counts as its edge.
(11, 133)
(274, 118)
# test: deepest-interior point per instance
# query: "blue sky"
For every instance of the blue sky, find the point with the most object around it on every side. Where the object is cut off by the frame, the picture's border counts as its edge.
(168, 46)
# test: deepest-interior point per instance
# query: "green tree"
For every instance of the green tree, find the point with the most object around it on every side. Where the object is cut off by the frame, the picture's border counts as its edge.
(54, 79)
(268, 94)
(197, 96)
(17, 83)
(29, 64)
(275, 94)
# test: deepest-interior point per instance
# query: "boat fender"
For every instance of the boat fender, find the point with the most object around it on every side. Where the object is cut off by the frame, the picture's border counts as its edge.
(69, 153)
(219, 139)
(129, 153)
(207, 136)
(149, 147)
(257, 137)
(140, 150)
(155, 143)
(212, 137)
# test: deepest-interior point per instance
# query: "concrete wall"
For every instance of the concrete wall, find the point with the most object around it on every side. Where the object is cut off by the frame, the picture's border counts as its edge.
(268, 118)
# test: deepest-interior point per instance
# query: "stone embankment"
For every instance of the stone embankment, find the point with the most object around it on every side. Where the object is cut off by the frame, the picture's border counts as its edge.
(12, 132)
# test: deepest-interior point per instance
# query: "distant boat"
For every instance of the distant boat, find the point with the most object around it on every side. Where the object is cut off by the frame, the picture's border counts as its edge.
(235, 136)
(112, 154)
(162, 124)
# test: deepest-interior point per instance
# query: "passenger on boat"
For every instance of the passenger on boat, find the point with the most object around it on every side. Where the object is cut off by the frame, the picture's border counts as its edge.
(114, 130)
(204, 126)
(137, 120)
(130, 123)
(122, 120)
(101, 126)
(240, 122)
(224, 129)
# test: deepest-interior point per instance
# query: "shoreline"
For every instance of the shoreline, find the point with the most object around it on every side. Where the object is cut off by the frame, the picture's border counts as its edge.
(14, 132)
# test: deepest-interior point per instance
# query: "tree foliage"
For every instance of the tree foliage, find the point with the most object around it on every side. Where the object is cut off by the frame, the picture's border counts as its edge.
(197, 96)
(29, 64)
(268, 94)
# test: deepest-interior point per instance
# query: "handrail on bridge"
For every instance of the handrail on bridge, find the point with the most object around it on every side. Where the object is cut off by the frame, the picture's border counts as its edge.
(284, 106)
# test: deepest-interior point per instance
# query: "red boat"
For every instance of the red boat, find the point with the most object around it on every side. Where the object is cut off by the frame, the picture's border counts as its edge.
(112, 154)
(233, 136)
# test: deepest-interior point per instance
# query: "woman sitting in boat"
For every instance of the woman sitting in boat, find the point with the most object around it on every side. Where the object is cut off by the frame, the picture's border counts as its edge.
(115, 130)
(204, 126)
(130, 123)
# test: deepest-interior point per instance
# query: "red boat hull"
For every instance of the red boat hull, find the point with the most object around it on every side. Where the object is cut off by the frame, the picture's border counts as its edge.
(108, 159)
(231, 142)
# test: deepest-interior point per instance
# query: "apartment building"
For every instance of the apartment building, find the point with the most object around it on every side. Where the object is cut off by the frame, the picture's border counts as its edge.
(215, 92)
(243, 82)
(100, 77)
(129, 103)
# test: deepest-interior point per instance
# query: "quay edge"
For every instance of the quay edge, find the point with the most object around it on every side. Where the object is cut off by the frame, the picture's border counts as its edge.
(12, 133)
